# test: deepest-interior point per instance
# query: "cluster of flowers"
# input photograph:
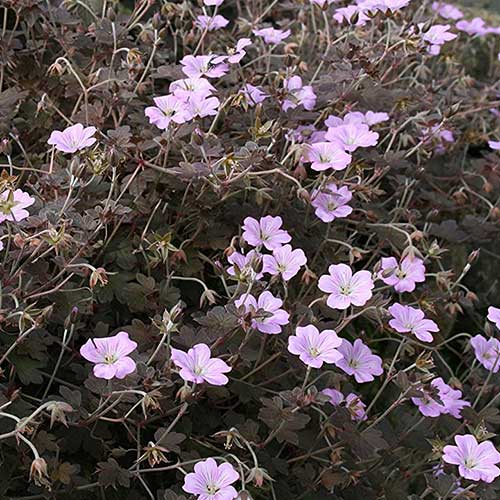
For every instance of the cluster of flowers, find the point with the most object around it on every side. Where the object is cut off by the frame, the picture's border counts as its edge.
(271, 253)
(111, 359)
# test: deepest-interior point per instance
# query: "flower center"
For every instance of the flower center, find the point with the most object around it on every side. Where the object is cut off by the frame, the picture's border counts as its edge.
(109, 359)
(212, 489)
(314, 352)
(198, 370)
(470, 463)
(353, 363)
(400, 274)
(331, 206)
(7, 205)
(345, 290)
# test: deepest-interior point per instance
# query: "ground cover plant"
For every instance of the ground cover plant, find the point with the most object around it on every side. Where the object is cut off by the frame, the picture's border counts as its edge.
(249, 250)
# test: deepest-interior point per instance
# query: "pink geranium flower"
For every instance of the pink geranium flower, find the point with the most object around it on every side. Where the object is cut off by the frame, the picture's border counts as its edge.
(168, 109)
(325, 155)
(186, 88)
(494, 315)
(267, 315)
(201, 106)
(238, 53)
(352, 136)
(331, 202)
(352, 402)
(272, 36)
(359, 361)
(110, 355)
(436, 36)
(284, 261)
(73, 139)
(440, 400)
(447, 11)
(475, 461)
(254, 95)
(315, 348)
(211, 481)
(487, 352)
(345, 288)
(245, 266)
(265, 231)
(369, 118)
(335, 397)
(495, 145)
(298, 94)
(438, 135)
(198, 366)
(406, 319)
(210, 23)
(13, 205)
(475, 27)
(199, 66)
(356, 407)
(404, 275)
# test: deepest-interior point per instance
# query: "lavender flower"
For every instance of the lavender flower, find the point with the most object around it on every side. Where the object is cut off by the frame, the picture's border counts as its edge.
(110, 355)
(352, 402)
(447, 10)
(210, 23)
(245, 266)
(199, 66)
(325, 155)
(254, 95)
(494, 315)
(284, 261)
(436, 36)
(406, 319)
(13, 205)
(265, 231)
(298, 94)
(352, 136)
(168, 109)
(331, 202)
(359, 361)
(198, 366)
(201, 106)
(475, 461)
(441, 399)
(188, 87)
(495, 145)
(356, 407)
(211, 481)
(73, 139)
(315, 348)
(238, 53)
(267, 317)
(272, 36)
(487, 352)
(403, 276)
(345, 288)
(475, 27)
